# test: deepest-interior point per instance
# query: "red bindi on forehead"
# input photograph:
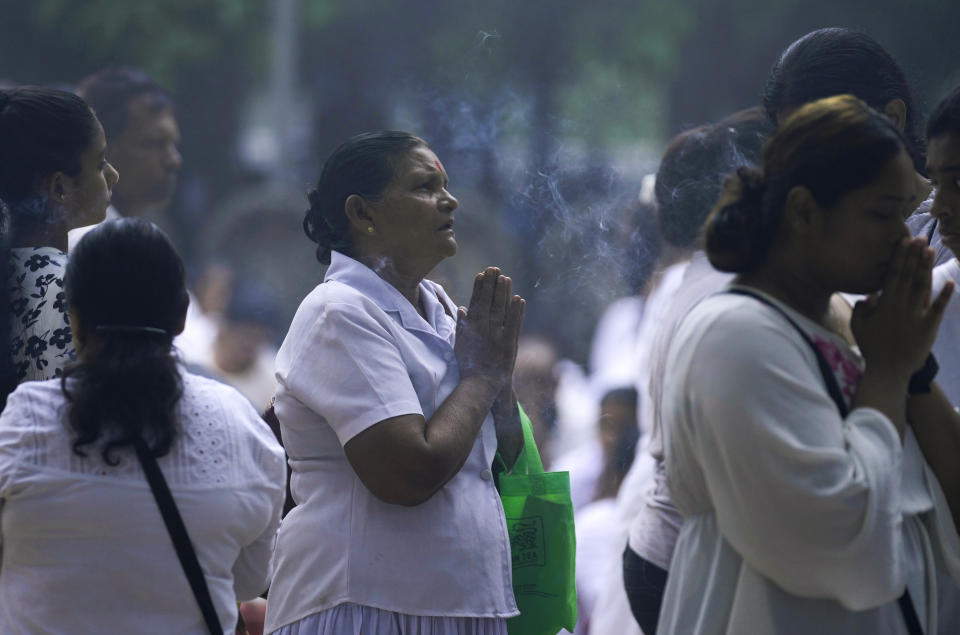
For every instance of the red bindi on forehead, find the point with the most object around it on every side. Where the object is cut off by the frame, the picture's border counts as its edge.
(437, 163)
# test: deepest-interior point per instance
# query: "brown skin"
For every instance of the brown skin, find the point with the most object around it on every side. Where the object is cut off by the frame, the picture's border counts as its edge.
(407, 459)
(147, 155)
(943, 166)
(83, 199)
(237, 345)
(615, 418)
(861, 245)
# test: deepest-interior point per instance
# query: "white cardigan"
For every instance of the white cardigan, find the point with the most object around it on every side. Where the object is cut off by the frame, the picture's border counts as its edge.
(796, 520)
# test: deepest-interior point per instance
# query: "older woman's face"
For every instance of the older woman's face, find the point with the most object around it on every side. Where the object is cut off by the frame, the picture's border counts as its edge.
(413, 219)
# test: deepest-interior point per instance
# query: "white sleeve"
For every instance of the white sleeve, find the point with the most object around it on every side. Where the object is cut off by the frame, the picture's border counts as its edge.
(349, 370)
(808, 499)
(251, 570)
(15, 437)
(14, 430)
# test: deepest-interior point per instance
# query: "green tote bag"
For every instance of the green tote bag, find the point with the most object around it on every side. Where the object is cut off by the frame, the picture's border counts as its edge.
(542, 541)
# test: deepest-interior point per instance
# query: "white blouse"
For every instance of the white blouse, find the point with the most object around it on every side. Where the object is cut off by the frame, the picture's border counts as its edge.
(795, 520)
(947, 346)
(358, 353)
(85, 549)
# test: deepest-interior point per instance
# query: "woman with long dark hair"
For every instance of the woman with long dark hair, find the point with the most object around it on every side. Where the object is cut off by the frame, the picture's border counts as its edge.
(53, 177)
(86, 548)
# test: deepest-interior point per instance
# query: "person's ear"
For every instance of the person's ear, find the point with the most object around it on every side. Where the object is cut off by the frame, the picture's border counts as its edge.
(896, 112)
(58, 186)
(801, 211)
(359, 214)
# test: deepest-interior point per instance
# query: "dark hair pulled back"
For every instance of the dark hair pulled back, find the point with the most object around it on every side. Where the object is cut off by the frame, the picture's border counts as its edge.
(110, 91)
(840, 61)
(364, 164)
(42, 131)
(831, 146)
(690, 175)
(945, 118)
(125, 284)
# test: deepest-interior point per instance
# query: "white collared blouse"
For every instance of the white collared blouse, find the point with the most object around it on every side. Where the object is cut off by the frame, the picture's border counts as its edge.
(358, 353)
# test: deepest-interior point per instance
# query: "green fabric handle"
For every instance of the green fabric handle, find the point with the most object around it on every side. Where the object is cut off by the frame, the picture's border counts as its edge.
(529, 460)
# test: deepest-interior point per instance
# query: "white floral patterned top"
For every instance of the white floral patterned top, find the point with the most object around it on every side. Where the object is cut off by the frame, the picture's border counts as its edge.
(41, 343)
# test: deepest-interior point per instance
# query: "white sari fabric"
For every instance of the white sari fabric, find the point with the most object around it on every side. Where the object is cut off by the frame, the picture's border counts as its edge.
(353, 619)
(795, 520)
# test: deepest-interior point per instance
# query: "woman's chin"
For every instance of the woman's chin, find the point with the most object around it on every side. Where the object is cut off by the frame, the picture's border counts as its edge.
(450, 247)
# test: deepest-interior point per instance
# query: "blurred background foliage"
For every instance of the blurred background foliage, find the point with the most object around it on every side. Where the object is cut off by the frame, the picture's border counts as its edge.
(547, 113)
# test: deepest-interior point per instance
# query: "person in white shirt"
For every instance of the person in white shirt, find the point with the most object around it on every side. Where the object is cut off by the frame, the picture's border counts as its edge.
(809, 504)
(54, 176)
(392, 404)
(84, 546)
(943, 166)
(689, 180)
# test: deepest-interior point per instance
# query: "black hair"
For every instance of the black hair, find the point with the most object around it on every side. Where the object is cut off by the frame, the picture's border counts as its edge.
(945, 118)
(831, 146)
(125, 284)
(364, 164)
(110, 91)
(694, 164)
(840, 61)
(42, 131)
(626, 395)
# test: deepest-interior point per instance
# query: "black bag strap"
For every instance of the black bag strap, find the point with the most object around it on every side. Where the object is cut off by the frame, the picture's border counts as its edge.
(179, 536)
(833, 388)
(906, 603)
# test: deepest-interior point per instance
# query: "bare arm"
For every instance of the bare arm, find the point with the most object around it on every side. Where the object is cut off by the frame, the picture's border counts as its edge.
(405, 460)
(937, 427)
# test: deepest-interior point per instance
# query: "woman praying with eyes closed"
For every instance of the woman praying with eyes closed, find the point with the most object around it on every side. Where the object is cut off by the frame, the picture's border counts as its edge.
(810, 504)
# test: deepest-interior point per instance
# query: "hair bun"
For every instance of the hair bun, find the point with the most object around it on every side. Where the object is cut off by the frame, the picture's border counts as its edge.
(736, 225)
(318, 228)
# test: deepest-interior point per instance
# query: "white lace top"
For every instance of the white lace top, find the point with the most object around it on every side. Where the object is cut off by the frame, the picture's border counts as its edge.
(84, 548)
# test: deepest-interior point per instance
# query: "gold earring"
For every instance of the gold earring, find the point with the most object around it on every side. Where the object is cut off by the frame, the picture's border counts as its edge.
(369, 229)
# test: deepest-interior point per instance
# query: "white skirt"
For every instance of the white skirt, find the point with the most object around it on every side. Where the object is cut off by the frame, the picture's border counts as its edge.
(354, 619)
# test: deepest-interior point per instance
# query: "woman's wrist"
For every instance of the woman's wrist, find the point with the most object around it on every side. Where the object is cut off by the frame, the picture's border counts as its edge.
(485, 387)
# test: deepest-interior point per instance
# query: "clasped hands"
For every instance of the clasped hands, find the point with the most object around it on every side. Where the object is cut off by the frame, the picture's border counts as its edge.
(488, 330)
